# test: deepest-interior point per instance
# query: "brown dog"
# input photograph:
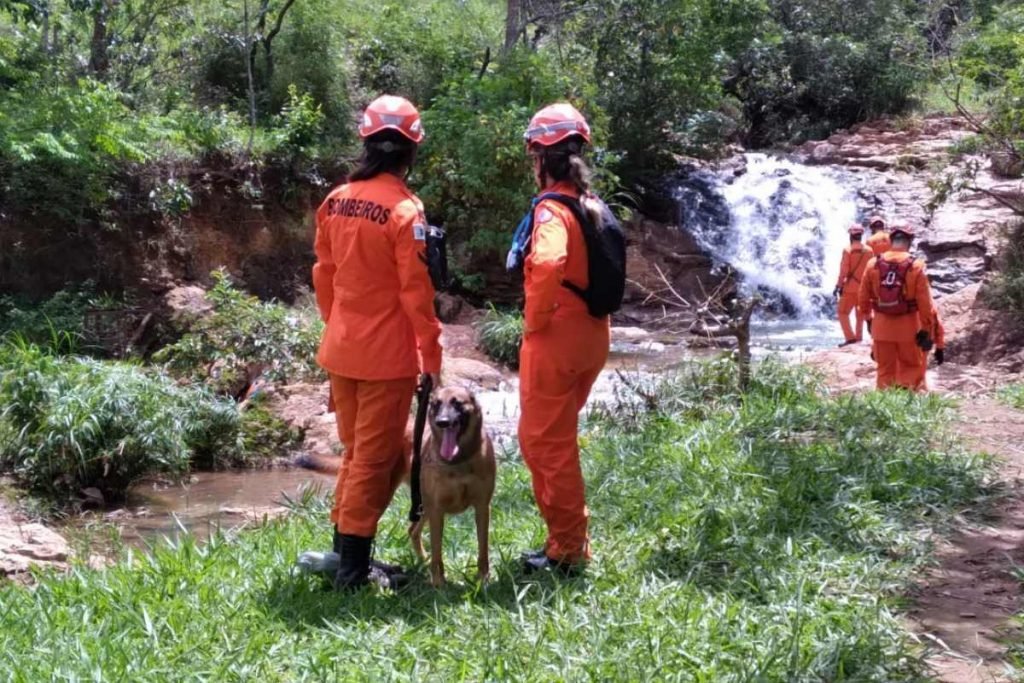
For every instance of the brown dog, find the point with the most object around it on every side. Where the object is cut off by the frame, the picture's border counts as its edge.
(457, 472)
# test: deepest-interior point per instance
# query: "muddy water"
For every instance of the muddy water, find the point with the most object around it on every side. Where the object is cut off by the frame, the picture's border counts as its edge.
(233, 499)
(210, 500)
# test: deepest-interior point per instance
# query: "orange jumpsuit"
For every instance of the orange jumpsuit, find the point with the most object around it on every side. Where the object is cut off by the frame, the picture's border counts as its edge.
(880, 242)
(851, 271)
(375, 295)
(897, 355)
(938, 335)
(564, 349)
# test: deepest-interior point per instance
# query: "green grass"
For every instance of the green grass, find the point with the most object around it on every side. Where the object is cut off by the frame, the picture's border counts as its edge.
(500, 334)
(763, 538)
(1012, 395)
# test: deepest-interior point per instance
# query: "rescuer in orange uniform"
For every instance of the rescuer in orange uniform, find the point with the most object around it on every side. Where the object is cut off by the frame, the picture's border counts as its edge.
(375, 294)
(564, 347)
(896, 288)
(880, 241)
(851, 271)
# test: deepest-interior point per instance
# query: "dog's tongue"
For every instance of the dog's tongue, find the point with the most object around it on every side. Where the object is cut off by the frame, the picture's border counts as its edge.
(449, 443)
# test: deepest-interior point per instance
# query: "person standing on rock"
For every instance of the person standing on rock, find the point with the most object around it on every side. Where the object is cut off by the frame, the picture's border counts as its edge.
(564, 346)
(851, 272)
(880, 240)
(376, 298)
(896, 289)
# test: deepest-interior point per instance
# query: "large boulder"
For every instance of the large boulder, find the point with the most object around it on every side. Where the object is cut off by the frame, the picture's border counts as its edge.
(25, 544)
(472, 373)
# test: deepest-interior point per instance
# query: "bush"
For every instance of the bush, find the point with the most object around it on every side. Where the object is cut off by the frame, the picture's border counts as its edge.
(473, 174)
(264, 435)
(57, 323)
(73, 423)
(658, 66)
(500, 336)
(1006, 291)
(243, 336)
(818, 66)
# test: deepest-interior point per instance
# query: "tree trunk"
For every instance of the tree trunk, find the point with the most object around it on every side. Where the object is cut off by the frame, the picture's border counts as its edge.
(252, 88)
(513, 26)
(44, 34)
(99, 55)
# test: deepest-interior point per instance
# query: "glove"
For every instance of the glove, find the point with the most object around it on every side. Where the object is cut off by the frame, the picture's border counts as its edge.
(924, 342)
(940, 356)
(837, 292)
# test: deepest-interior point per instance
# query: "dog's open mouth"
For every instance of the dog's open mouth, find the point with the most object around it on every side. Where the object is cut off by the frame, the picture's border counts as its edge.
(449, 449)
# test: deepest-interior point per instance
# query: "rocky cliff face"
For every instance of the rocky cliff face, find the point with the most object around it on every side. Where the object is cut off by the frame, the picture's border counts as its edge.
(961, 237)
(892, 169)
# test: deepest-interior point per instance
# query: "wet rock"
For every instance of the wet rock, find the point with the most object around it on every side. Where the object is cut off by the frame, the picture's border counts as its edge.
(93, 497)
(951, 275)
(469, 372)
(304, 406)
(628, 334)
(448, 307)
(660, 256)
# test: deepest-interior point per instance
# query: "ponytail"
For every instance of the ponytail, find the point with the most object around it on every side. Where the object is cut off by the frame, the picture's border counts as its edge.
(563, 161)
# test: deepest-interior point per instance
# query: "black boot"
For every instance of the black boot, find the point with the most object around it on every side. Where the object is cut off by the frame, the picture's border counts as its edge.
(354, 567)
(538, 560)
(337, 539)
(387, 575)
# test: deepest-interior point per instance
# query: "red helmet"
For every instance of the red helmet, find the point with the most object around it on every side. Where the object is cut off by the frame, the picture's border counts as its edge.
(554, 123)
(876, 219)
(902, 229)
(388, 112)
(856, 229)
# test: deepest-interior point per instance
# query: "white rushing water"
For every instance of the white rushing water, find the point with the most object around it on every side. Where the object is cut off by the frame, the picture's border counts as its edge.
(784, 232)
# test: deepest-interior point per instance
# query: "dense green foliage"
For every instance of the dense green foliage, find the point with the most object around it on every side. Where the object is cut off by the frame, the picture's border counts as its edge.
(57, 322)
(112, 110)
(735, 538)
(70, 423)
(1006, 291)
(243, 337)
(993, 58)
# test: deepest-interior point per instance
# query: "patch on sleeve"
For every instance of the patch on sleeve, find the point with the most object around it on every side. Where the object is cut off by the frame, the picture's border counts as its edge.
(544, 215)
(419, 232)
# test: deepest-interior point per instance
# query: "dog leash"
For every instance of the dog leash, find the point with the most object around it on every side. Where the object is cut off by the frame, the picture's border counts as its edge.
(426, 386)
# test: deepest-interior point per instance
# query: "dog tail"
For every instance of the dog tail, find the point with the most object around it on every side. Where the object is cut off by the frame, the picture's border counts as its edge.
(324, 464)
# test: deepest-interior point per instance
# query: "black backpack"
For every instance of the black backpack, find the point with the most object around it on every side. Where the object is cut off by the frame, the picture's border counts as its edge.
(606, 256)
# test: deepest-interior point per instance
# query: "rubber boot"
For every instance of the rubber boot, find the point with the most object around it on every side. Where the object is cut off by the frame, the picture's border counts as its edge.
(392, 574)
(354, 567)
(385, 575)
(538, 560)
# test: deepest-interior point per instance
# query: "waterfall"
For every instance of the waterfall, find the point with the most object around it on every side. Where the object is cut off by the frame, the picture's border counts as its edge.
(780, 225)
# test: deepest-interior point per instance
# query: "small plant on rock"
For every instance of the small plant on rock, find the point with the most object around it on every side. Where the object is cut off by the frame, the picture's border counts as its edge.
(500, 335)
